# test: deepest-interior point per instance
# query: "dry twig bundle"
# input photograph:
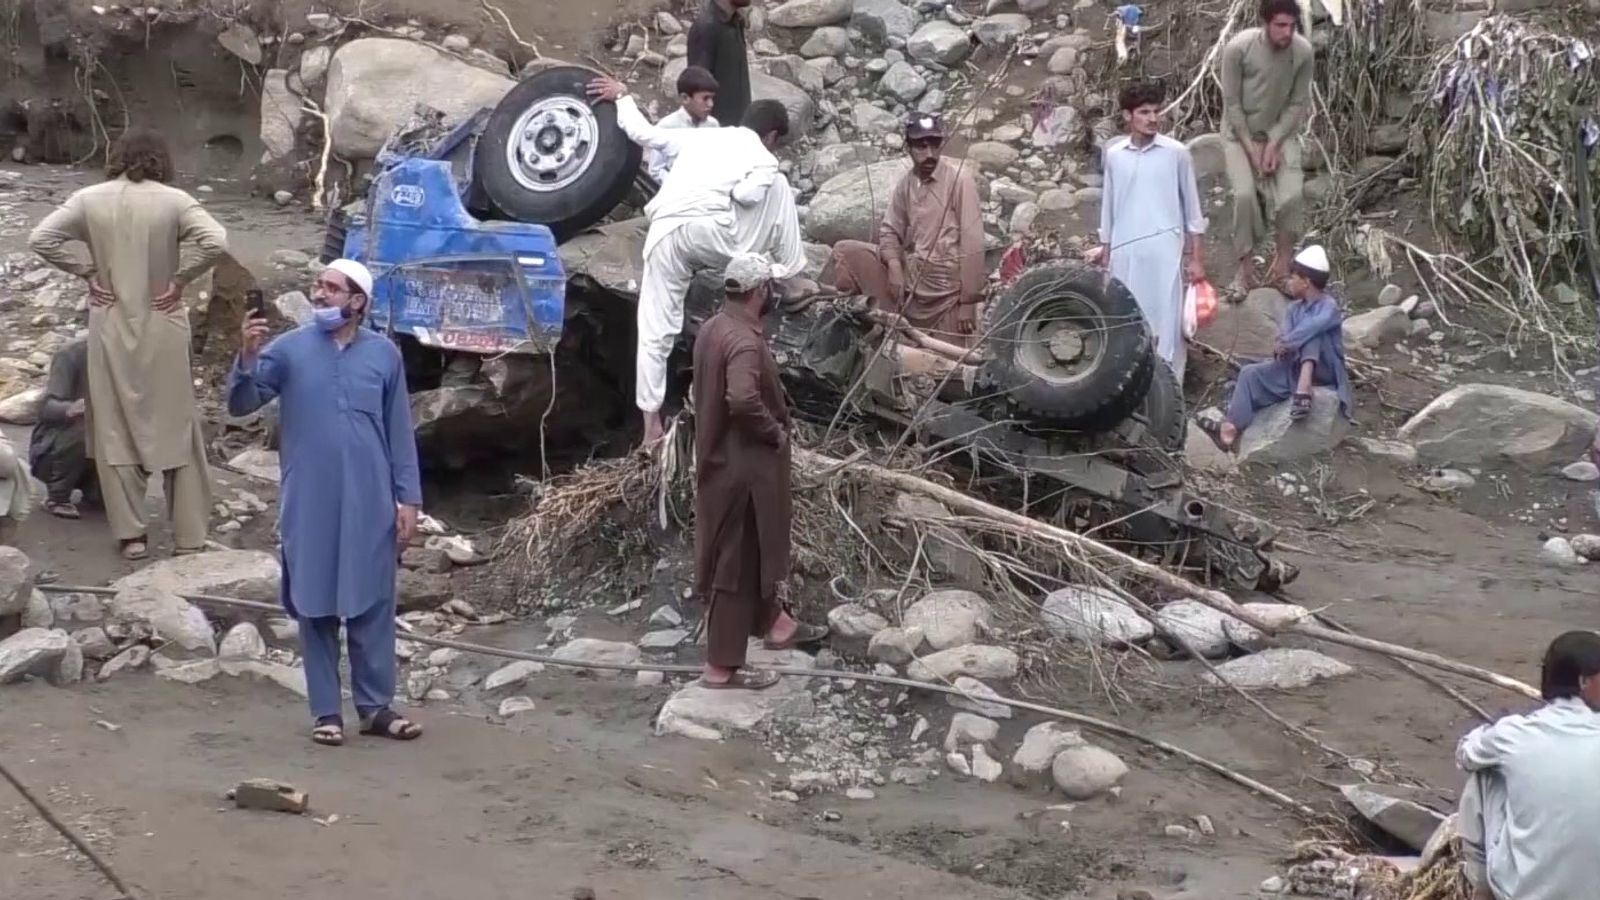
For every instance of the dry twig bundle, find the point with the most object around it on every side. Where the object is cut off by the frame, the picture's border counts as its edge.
(1501, 166)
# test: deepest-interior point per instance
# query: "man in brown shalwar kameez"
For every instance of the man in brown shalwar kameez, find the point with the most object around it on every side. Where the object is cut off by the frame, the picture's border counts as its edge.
(141, 416)
(742, 506)
(928, 263)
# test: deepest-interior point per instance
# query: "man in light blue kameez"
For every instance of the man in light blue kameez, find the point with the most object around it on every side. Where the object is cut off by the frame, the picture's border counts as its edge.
(1151, 224)
(351, 491)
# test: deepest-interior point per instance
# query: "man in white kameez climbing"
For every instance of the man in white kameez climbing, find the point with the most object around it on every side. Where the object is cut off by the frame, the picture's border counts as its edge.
(723, 197)
(1151, 225)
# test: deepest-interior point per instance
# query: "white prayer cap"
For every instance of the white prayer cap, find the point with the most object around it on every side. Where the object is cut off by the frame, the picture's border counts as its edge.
(746, 272)
(358, 274)
(1313, 257)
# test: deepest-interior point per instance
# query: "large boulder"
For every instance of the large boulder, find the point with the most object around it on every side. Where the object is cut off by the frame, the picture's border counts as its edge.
(1001, 29)
(1209, 156)
(594, 650)
(950, 618)
(880, 20)
(1249, 329)
(854, 622)
(16, 581)
(1094, 615)
(712, 713)
(1085, 772)
(903, 82)
(1397, 810)
(1042, 744)
(972, 659)
(979, 698)
(1377, 328)
(1477, 423)
(1280, 616)
(22, 408)
(794, 70)
(1274, 437)
(374, 84)
(802, 109)
(155, 593)
(810, 13)
(944, 548)
(281, 115)
(1198, 626)
(940, 42)
(1278, 668)
(32, 651)
(834, 159)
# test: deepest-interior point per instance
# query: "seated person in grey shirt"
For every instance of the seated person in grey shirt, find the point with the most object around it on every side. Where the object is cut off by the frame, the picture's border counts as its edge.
(1530, 813)
(58, 449)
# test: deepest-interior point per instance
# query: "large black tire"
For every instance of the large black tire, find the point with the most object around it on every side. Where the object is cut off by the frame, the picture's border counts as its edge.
(1068, 347)
(1163, 409)
(573, 196)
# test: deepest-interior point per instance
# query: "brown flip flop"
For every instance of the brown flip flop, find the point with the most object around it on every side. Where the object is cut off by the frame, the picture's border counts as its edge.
(135, 550)
(1212, 429)
(743, 680)
(803, 634)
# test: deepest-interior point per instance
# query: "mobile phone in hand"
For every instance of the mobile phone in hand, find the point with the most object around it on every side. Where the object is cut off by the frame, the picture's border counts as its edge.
(255, 303)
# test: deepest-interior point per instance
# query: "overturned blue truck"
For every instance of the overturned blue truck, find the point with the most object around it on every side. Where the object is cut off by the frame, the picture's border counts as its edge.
(507, 270)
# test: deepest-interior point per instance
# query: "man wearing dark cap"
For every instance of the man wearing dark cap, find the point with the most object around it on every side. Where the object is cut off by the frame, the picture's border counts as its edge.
(928, 262)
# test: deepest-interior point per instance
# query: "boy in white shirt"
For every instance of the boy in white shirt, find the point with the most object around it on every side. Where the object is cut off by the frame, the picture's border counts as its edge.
(697, 92)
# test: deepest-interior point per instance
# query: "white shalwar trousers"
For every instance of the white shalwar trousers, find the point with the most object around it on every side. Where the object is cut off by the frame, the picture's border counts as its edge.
(771, 227)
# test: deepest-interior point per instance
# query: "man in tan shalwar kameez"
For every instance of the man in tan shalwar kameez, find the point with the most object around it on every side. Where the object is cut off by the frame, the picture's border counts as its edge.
(742, 504)
(141, 415)
(928, 262)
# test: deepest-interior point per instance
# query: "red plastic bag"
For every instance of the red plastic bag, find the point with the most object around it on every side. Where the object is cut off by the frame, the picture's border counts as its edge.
(1199, 307)
(1012, 262)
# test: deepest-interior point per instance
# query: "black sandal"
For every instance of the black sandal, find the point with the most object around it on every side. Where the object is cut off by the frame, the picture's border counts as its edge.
(329, 731)
(390, 724)
(1212, 428)
(1300, 407)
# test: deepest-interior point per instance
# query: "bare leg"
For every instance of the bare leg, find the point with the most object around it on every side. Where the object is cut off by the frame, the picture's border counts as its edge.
(1282, 252)
(1307, 368)
(1244, 276)
(782, 630)
(654, 431)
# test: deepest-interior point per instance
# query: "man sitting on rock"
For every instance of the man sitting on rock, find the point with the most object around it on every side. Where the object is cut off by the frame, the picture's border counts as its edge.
(58, 449)
(1529, 823)
(724, 196)
(1310, 352)
(928, 262)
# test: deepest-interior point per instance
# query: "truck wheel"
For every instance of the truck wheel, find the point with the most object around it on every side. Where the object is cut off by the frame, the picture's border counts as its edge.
(1163, 409)
(548, 156)
(1068, 347)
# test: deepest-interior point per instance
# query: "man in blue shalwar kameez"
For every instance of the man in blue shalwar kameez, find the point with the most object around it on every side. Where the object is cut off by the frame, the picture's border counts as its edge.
(350, 495)
(1310, 351)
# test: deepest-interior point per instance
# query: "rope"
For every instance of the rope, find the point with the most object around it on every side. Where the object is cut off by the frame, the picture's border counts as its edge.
(1245, 781)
